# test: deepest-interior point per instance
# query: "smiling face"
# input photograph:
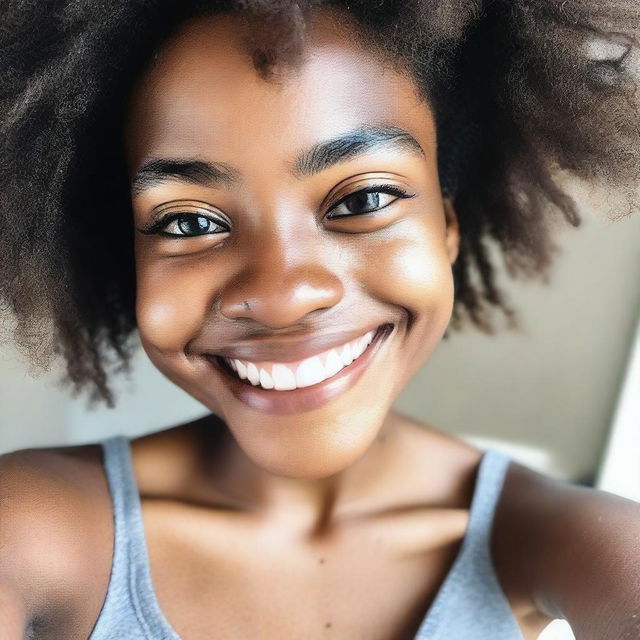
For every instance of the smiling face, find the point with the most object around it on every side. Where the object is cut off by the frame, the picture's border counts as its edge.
(278, 220)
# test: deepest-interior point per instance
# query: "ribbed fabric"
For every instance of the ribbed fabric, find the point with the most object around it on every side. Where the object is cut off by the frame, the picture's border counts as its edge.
(470, 604)
(131, 610)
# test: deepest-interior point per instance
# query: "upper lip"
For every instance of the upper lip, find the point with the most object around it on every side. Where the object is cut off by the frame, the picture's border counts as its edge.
(259, 350)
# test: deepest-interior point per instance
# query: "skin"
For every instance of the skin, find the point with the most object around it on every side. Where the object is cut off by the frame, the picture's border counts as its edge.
(301, 273)
(317, 492)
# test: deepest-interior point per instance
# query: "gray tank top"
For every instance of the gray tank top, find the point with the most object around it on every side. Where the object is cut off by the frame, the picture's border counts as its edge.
(469, 605)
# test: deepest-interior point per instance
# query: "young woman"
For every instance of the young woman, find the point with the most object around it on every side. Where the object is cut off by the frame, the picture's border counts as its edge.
(289, 203)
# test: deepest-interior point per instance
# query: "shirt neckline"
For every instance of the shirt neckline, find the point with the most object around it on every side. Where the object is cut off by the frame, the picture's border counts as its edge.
(147, 605)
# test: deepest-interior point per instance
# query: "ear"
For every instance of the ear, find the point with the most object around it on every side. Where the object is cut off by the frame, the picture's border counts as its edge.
(453, 231)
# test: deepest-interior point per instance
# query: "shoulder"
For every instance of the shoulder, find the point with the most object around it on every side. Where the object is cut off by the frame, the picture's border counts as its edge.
(57, 535)
(573, 552)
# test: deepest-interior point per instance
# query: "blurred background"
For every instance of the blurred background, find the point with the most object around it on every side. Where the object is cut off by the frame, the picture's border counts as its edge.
(561, 396)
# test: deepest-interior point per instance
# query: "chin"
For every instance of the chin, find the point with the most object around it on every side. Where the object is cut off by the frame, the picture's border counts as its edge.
(313, 452)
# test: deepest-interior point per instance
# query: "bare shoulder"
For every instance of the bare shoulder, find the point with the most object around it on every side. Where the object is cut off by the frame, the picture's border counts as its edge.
(56, 537)
(451, 450)
(569, 551)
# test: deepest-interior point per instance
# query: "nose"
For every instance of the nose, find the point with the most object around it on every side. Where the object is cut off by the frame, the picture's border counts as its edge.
(281, 283)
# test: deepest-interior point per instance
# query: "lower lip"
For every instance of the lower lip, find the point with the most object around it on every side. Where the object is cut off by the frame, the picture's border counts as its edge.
(304, 398)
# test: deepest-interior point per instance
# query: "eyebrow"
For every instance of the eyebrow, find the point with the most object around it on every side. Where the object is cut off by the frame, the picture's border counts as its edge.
(309, 162)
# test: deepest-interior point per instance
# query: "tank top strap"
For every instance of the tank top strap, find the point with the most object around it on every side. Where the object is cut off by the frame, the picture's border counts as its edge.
(471, 596)
(489, 483)
(130, 597)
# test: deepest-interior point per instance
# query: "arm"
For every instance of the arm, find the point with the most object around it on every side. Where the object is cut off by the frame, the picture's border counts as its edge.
(590, 571)
(15, 614)
(51, 576)
(575, 552)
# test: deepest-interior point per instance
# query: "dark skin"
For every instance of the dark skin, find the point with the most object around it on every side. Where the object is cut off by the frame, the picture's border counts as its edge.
(321, 492)
(302, 274)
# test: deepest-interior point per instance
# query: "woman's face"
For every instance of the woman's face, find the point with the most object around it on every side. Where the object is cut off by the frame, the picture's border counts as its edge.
(277, 254)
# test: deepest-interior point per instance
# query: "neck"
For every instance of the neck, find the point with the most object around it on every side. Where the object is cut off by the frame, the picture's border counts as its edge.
(306, 503)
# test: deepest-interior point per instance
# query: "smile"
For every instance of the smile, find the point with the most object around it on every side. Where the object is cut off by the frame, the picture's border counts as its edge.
(304, 373)
(293, 387)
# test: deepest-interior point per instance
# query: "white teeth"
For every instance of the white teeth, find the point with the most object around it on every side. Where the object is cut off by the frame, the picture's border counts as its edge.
(265, 379)
(346, 355)
(334, 363)
(241, 369)
(252, 373)
(283, 377)
(310, 371)
(356, 348)
(368, 339)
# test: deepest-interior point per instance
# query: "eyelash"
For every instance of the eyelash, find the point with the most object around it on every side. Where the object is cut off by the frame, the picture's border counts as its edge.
(156, 228)
(374, 188)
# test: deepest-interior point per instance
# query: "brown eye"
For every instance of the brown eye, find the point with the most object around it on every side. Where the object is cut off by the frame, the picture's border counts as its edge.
(186, 225)
(368, 200)
(190, 225)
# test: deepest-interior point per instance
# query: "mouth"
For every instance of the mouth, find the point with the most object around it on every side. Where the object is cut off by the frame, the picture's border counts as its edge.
(303, 398)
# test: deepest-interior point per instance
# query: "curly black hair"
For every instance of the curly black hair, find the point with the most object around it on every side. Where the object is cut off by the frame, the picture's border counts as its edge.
(519, 90)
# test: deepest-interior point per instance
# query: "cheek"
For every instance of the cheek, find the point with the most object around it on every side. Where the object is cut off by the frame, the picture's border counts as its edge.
(414, 272)
(170, 304)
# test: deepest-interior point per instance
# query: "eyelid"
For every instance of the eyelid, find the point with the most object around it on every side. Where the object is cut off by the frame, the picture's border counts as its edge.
(388, 188)
(368, 182)
(161, 218)
(159, 226)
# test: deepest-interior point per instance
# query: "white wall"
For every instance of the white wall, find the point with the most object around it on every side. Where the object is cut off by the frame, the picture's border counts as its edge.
(32, 412)
(620, 469)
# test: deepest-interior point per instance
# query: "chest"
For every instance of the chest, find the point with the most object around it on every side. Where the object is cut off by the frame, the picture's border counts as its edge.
(372, 580)
(227, 576)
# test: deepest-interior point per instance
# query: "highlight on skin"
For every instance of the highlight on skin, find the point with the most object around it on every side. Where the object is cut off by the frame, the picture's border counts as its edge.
(516, 90)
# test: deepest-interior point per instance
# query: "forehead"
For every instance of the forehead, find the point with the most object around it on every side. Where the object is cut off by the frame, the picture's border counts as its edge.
(203, 96)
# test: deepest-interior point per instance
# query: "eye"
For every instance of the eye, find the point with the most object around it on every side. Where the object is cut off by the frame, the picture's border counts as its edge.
(184, 224)
(368, 200)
